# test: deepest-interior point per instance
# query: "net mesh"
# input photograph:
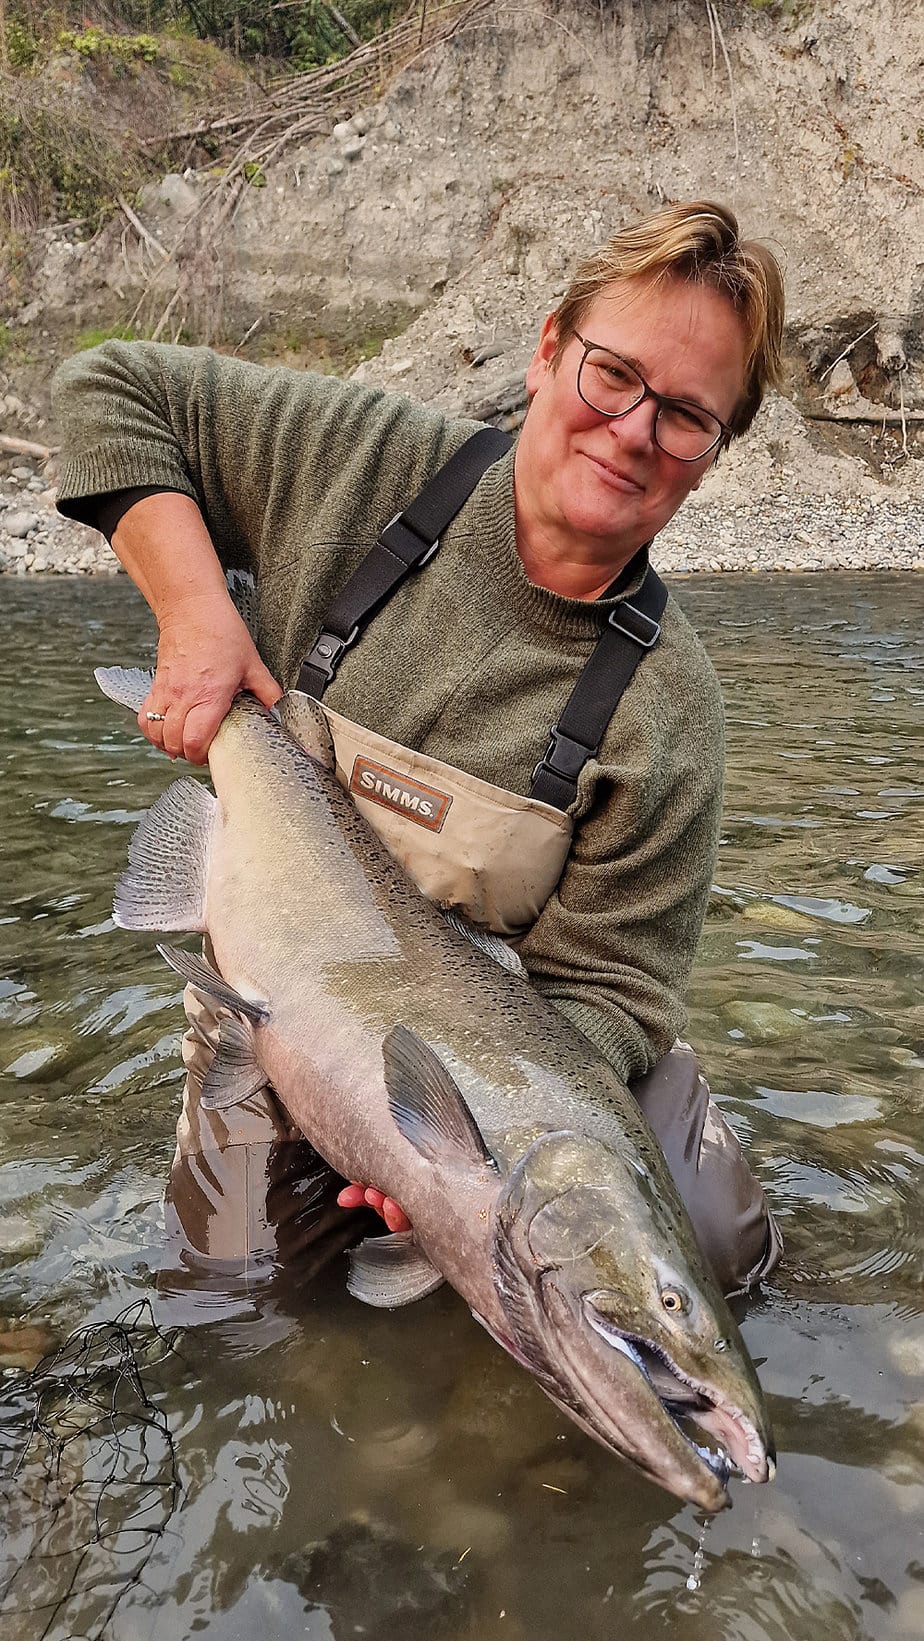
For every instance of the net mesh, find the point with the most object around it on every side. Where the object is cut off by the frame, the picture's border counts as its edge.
(88, 1478)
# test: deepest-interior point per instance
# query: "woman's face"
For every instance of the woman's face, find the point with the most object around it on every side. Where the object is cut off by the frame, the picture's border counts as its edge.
(602, 487)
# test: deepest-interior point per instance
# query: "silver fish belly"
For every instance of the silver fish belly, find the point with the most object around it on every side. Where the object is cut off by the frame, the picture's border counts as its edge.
(409, 1056)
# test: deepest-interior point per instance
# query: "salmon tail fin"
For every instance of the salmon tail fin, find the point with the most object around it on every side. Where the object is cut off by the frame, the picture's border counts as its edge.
(164, 884)
(127, 686)
(242, 590)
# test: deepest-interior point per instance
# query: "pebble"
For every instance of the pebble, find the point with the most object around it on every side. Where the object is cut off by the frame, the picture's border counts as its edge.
(38, 541)
(18, 525)
(775, 533)
(20, 1238)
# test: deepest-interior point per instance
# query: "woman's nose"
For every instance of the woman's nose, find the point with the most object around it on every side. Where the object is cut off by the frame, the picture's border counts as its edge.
(635, 428)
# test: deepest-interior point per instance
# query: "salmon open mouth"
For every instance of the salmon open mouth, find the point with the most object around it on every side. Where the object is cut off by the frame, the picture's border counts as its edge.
(738, 1449)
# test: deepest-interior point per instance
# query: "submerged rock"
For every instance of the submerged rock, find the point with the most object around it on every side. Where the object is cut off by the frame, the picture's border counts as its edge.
(23, 1345)
(373, 1583)
(761, 1022)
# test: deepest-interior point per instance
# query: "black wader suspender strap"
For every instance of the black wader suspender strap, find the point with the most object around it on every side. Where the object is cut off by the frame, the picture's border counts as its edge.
(412, 538)
(404, 545)
(631, 631)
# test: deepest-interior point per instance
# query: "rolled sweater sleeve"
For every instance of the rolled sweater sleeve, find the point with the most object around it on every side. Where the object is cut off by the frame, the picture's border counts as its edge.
(614, 945)
(266, 453)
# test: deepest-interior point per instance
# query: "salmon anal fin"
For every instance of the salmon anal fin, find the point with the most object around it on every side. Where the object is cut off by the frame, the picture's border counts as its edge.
(388, 1271)
(427, 1105)
(163, 886)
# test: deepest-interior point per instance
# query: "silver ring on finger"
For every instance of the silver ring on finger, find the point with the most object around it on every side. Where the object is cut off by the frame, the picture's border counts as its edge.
(155, 717)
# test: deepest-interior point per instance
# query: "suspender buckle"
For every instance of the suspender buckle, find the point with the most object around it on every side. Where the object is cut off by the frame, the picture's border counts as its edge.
(328, 650)
(401, 540)
(635, 624)
(564, 757)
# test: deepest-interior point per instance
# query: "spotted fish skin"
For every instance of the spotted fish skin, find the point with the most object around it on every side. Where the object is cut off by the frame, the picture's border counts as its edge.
(408, 1056)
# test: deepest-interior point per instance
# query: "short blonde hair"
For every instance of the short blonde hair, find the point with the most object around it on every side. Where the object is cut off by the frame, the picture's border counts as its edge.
(700, 243)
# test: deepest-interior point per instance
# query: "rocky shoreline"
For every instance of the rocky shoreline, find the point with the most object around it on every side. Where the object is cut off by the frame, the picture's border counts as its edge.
(779, 532)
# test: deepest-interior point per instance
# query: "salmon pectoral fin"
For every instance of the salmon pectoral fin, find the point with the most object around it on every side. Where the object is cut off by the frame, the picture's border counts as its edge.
(388, 1271)
(164, 884)
(427, 1105)
(234, 1074)
(196, 972)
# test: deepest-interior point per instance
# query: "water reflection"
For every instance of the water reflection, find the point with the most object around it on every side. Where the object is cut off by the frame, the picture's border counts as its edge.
(345, 1468)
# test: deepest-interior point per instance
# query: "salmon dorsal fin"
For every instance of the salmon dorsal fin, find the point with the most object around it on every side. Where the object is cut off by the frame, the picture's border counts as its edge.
(163, 886)
(388, 1271)
(303, 719)
(428, 1106)
(484, 941)
(196, 972)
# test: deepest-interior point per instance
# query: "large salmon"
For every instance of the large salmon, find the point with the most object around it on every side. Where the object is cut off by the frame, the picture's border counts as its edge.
(416, 1054)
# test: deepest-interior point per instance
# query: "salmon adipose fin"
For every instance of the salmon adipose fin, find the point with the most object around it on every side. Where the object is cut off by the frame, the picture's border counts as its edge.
(303, 719)
(235, 1073)
(484, 941)
(428, 1106)
(164, 885)
(197, 972)
(388, 1271)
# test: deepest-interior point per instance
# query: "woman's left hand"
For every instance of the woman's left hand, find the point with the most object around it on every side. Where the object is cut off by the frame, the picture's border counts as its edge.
(360, 1196)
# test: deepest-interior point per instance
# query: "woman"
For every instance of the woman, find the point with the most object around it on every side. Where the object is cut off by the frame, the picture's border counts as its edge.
(594, 850)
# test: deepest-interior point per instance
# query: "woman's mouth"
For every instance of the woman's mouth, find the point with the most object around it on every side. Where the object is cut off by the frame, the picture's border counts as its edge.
(615, 477)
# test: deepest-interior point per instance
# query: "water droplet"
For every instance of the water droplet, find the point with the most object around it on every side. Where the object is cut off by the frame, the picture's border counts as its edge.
(699, 1557)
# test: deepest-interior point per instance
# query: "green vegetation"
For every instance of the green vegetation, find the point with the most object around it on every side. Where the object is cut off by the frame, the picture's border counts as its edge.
(95, 45)
(55, 161)
(69, 145)
(112, 333)
(300, 35)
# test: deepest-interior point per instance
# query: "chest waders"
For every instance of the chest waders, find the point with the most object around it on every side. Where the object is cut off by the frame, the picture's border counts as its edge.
(237, 1191)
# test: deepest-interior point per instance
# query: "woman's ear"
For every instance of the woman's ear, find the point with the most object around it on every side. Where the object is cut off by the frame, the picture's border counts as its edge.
(541, 361)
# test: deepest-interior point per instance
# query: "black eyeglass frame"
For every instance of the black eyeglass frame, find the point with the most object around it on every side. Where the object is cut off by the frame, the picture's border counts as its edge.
(719, 442)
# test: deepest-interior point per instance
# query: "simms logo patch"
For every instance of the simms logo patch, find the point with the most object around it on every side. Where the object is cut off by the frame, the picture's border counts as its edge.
(406, 797)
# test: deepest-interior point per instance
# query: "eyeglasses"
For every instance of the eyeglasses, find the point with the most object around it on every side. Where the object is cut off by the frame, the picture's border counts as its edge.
(613, 387)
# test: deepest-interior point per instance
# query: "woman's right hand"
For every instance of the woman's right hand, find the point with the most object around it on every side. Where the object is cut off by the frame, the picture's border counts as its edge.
(205, 656)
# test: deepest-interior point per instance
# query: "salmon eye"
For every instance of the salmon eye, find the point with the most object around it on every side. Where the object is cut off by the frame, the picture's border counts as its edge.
(674, 1300)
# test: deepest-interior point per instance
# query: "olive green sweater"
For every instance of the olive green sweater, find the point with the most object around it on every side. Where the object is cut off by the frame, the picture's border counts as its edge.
(469, 661)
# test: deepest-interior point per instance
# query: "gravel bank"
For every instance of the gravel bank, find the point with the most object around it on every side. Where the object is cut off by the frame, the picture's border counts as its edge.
(779, 532)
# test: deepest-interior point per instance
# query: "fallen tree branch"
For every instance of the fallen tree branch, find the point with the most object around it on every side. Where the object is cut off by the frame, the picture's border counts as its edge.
(140, 229)
(299, 107)
(849, 348)
(24, 447)
(871, 417)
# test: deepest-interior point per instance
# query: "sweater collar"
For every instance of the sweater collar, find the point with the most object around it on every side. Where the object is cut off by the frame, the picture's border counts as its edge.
(488, 521)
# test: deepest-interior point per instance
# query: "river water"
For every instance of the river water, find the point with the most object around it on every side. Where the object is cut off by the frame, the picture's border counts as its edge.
(346, 1472)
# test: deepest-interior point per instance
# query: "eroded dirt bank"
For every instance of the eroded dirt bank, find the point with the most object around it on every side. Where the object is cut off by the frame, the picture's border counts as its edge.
(445, 217)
